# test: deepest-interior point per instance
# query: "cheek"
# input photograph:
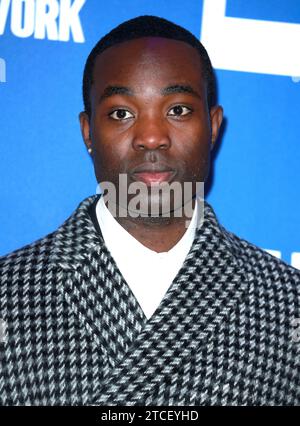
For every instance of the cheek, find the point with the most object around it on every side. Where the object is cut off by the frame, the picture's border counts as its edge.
(194, 152)
(110, 154)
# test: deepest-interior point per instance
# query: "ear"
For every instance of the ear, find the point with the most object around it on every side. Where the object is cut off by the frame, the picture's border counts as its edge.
(216, 118)
(85, 130)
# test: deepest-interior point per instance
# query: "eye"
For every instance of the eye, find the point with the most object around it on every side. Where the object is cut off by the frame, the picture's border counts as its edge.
(120, 114)
(179, 110)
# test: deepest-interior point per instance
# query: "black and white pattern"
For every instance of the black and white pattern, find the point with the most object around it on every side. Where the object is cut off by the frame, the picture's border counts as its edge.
(76, 335)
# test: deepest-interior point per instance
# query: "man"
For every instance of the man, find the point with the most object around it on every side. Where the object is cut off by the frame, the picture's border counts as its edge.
(141, 308)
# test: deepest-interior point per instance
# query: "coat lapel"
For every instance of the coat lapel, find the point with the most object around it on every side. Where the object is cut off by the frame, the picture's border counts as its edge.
(93, 286)
(141, 354)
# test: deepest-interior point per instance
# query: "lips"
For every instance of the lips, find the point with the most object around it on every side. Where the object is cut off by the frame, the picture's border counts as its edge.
(154, 177)
(153, 173)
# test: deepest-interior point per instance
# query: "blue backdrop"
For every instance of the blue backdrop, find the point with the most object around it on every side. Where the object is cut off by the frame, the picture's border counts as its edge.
(45, 169)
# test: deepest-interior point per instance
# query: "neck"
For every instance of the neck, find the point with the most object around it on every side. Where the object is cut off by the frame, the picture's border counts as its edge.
(159, 234)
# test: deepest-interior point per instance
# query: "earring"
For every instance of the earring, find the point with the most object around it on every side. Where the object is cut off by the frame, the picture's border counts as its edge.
(90, 150)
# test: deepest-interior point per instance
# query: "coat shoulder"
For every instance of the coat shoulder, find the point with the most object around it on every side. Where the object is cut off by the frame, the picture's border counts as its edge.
(32, 253)
(39, 253)
(261, 263)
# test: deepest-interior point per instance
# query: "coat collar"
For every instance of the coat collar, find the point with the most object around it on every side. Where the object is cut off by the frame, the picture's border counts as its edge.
(77, 239)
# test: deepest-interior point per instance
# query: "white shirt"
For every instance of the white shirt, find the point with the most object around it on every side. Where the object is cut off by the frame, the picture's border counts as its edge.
(149, 274)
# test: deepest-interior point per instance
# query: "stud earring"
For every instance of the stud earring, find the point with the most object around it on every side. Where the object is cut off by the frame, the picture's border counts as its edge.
(90, 150)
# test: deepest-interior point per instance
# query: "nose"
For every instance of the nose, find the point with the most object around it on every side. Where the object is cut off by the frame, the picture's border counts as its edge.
(151, 133)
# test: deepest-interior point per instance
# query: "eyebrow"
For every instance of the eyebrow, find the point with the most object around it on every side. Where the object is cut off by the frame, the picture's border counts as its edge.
(123, 90)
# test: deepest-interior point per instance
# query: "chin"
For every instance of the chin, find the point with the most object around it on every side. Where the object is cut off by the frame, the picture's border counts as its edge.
(156, 207)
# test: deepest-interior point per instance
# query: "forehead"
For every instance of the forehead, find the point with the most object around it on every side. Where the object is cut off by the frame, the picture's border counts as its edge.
(148, 59)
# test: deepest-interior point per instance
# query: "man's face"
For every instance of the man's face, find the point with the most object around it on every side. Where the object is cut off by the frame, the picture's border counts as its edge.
(149, 114)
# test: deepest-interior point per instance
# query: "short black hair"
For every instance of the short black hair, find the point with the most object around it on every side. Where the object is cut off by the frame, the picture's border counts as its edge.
(147, 26)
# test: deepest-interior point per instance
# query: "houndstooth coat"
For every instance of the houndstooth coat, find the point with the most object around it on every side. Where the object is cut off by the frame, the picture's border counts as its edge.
(76, 335)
